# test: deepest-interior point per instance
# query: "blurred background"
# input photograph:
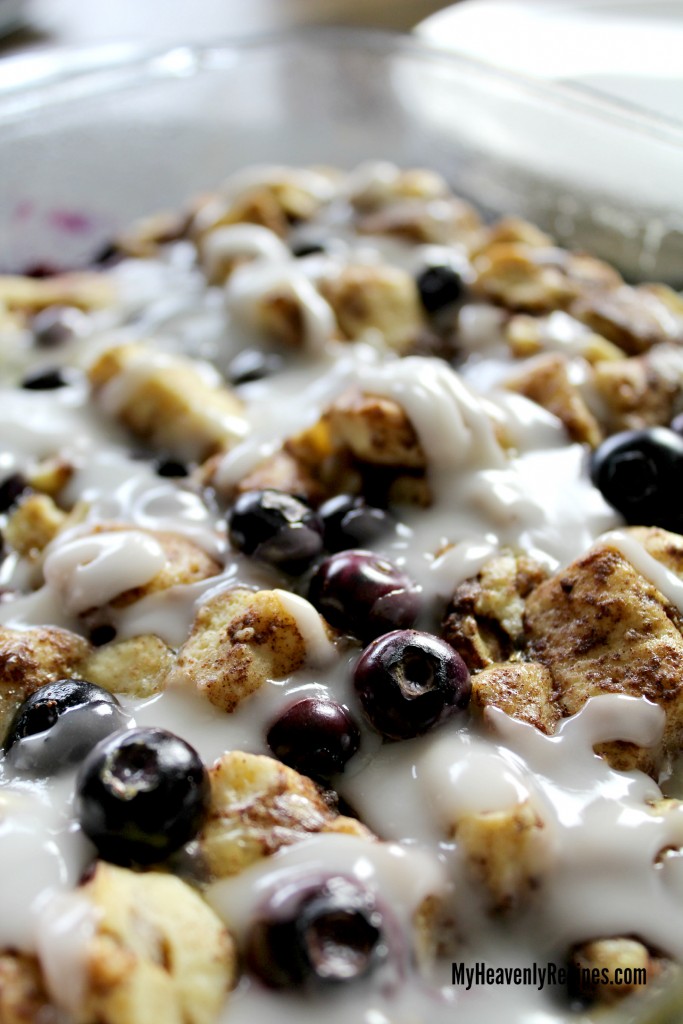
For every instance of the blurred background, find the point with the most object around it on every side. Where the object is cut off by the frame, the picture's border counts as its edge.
(77, 22)
(628, 50)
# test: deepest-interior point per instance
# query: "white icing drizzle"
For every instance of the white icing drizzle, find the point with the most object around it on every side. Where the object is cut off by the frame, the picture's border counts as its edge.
(90, 571)
(666, 581)
(450, 420)
(458, 563)
(42, 852)
(321, 650)
(592, 815)
(249, 240)
(66, 924)
(247, 285)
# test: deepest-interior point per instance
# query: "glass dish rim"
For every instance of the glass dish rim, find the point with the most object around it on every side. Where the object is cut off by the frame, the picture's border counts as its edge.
(50, 78)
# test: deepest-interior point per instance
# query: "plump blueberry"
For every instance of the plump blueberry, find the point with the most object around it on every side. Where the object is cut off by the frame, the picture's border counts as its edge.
(55, 325)
(171, 468)
(276, 528)
(408, 682)
(44, 380)
(439, 286)
(11, 489)
(639, 473)
(349, 522)
(140, 795)
(60, 723)
(326, 934)
(315, 736)
(253, 364)
(363, 594)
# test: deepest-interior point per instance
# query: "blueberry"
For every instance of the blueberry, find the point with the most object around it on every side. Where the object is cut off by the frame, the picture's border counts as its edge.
(315, 736)
(102, 634)
(325, 934)
(252, 364)
(349, 522)
(39, 270)
(11, 489)
(362, 593)
(304, 248)
(55, 325)
(171, 468)
(140, 795)
(276, 528)
(106, 255)
(44, 380)
(439, 286)
(638, 472)
(60, 723)
(409, 682)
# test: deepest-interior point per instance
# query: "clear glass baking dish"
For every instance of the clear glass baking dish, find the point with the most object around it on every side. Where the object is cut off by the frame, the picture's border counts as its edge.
(100, 139)
(86, 149)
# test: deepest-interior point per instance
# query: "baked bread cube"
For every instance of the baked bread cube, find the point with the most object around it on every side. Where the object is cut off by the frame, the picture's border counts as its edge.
(378, 299)
(137, 667)
(159, 953)
(259, 805)
(239, 639)
(23, 998)
(484, 621)
(31, 657)
(506, 852)
(548, 383)
(167, 402)
(600, 627)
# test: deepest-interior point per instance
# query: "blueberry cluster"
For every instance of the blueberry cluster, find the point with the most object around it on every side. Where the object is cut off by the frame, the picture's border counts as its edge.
(406, 681)
(140, 793)
(284, 531)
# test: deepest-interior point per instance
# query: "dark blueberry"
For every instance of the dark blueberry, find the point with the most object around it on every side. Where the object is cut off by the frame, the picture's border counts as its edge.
(439, 286)
(327, 934)
(408, 682)
(171, 468)
(253, 364)
(60, 723)
(56, 325)
(276, 528)
(109, 253)
(11, 489)
(363, 594)
(44, 380)
(102, 634)
(315, 736)
(303, 248)
(42, 270)
(349, 522)
(140, 795)
(639, 473)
